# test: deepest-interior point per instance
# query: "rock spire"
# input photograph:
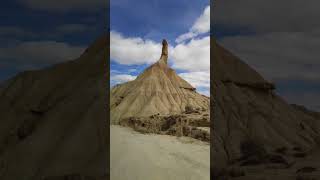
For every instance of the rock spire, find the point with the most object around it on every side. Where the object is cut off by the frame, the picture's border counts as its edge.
(164, 53)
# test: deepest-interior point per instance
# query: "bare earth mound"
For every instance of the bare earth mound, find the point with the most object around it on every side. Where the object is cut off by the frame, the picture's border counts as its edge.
(158, 90)
(50, 117)
(254, 130)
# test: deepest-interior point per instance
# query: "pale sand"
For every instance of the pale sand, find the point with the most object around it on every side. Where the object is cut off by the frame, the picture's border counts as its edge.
(135, 156)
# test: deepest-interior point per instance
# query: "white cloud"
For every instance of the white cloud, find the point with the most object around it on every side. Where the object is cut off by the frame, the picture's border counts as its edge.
(197, 79)
(133, 50)
(121, 78)
(193, 56)
(132, 70)
(186, 36)
(205, 91)
(201, 25)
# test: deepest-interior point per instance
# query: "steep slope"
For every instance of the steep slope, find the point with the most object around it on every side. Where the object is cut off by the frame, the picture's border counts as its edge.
(50, 117)
(157, 90)
(250, 122)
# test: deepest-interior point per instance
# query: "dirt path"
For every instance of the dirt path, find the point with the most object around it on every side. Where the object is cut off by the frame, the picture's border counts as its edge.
(136, 156)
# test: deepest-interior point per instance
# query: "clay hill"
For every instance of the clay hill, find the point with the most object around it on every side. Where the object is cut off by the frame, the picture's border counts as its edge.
(159, 99)
(160, 105)
(157, 90)
(256, 134)
(54, 125)
(49, 118)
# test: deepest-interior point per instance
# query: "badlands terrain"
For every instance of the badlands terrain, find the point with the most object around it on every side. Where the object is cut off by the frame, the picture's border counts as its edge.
(49, 118)
(257, 134)
(169, 135)
(54, 124)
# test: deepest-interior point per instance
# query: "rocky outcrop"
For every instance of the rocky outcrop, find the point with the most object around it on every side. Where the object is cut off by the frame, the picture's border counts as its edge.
(164, 52)
(157, 90)
(195, 124)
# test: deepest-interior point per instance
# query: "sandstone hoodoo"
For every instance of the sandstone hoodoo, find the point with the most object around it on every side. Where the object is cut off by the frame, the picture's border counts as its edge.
(156, 91)
(164, 53)
(253, 126)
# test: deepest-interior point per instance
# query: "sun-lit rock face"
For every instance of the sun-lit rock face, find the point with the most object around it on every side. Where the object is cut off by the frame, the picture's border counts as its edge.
(164, 52)
(157, 90)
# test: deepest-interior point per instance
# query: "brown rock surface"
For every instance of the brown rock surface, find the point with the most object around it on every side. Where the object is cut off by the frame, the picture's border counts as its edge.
(53, 121)
(157, 90)
(251, 122)
(194, 125)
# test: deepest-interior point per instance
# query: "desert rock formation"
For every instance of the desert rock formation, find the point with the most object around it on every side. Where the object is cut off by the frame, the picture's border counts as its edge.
(168, 117)
(252, 125)
(158, 90)
(53, 121)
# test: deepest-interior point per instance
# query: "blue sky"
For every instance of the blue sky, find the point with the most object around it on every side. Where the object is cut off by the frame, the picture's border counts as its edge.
(281, 42)
(141, 26)
(155, 19)
(61, 29)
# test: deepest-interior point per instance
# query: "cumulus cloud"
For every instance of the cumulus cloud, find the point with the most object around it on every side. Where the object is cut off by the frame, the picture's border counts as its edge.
(133, 50)
(132, 70)
(35, 53)
(197, 79)
(66, 5)
(120, 78)
(192, 56)
(201, 25)
(205, 92)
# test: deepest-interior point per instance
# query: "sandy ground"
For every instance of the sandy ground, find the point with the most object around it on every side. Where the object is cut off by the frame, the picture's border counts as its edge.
(135, 156)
